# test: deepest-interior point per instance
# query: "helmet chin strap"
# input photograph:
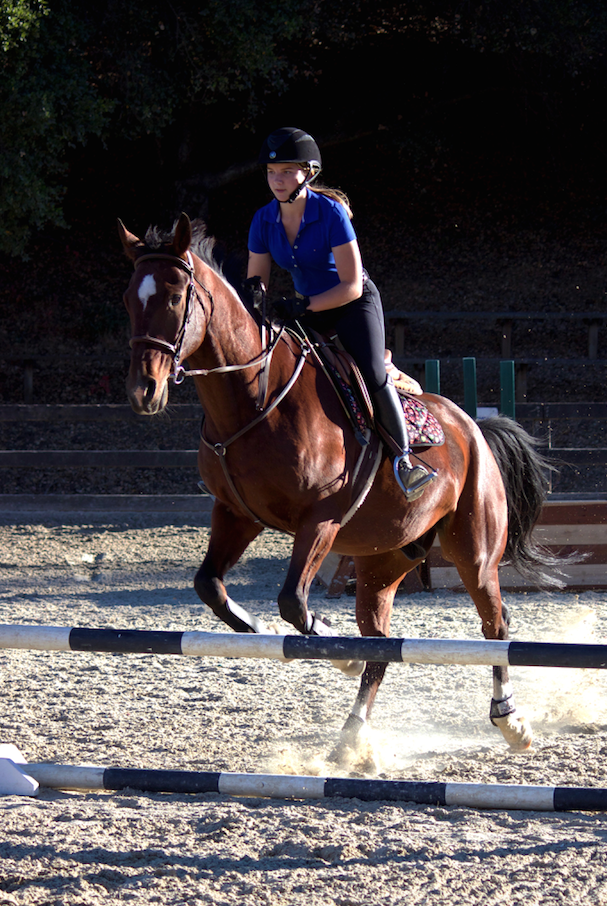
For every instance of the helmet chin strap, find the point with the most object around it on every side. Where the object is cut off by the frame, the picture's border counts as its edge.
(312, 174)
(296, 193)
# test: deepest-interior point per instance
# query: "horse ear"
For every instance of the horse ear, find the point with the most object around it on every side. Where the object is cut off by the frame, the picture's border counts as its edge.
(183, 235)
(129, 241)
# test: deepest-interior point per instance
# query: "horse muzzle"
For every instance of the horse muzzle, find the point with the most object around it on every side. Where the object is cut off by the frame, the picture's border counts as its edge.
(147, 394)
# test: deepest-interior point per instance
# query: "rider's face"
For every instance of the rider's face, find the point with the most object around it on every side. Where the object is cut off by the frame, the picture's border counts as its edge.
(284, 179)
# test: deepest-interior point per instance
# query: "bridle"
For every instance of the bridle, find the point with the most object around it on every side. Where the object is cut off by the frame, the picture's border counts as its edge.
(174, 349)
(178, 372)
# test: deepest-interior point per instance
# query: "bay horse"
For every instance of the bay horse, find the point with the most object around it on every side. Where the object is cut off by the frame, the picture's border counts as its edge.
(278, 451)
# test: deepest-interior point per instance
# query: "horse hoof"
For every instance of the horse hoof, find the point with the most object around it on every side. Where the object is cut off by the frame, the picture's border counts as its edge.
(348, 759)
(356, 753)
(515, 730)
(274, 629)
(350, 668)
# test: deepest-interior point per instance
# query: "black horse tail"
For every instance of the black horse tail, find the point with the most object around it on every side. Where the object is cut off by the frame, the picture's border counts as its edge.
(525, 475)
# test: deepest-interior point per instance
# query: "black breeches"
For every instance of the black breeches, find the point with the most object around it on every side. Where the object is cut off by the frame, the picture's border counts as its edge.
(360, 327)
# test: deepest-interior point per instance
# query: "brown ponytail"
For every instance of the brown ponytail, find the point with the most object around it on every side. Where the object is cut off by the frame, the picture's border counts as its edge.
(337, 195)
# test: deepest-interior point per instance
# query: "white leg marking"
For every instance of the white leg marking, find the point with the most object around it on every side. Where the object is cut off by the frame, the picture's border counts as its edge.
(359, 710)
(501, 690)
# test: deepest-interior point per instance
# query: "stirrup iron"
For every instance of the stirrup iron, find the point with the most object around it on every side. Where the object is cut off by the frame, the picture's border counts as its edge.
(413, 479)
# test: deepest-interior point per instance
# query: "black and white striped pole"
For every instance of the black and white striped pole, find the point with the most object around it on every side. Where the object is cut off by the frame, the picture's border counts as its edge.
(19, 778)
(300, 647)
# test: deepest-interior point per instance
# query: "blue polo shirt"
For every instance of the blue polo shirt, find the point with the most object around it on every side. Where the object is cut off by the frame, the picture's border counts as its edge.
(324, 226)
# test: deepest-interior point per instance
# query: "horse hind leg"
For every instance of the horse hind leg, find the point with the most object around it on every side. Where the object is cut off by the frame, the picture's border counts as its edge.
(461, 545)
(503, 712)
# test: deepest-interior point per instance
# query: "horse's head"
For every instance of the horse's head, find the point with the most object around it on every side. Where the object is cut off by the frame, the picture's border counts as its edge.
(158, 301)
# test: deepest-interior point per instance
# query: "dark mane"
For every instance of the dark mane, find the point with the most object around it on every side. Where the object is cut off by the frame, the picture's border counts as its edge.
(206, 247)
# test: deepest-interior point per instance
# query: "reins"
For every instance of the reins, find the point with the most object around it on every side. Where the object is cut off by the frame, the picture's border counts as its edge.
(220, 449)
(178, 372)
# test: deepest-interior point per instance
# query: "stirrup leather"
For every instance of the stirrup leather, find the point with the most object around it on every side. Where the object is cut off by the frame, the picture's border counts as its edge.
(412, 480)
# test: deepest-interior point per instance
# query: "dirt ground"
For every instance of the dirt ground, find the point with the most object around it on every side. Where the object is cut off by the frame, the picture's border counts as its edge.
(430, 723)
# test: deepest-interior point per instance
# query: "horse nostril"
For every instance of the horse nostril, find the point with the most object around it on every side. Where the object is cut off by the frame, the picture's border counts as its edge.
(150, 391)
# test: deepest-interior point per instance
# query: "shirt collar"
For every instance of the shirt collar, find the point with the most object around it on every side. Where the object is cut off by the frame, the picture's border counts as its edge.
(311, 212)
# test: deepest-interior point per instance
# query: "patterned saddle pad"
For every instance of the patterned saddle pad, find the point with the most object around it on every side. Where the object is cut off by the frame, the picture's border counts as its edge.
(424, 428)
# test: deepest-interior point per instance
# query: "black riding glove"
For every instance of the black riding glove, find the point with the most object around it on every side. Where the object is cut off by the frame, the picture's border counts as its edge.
(255, 293)
(289, 309)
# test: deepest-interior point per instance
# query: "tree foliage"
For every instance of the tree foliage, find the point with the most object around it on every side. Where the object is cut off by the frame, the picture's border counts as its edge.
(47, 104)
(117, 70)
(17, 20)
(72, 70)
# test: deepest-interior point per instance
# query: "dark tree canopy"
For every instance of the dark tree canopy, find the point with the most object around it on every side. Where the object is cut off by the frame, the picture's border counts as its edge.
(183, 78)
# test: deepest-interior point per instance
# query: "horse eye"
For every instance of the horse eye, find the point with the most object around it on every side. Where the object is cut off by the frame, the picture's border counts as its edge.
(175, 300)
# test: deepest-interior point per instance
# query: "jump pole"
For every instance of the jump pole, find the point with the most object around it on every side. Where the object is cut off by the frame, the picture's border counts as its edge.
(19, 778)
(302, 647)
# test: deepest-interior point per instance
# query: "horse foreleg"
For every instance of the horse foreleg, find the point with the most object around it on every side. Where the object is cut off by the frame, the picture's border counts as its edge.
(311, 544)
(377, 581)
(230, 536)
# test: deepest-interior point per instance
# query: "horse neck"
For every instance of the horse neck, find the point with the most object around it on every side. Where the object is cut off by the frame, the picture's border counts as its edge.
(227, 334)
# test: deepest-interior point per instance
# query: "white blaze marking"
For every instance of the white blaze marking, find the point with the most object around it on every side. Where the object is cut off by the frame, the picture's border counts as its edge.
(147, 288)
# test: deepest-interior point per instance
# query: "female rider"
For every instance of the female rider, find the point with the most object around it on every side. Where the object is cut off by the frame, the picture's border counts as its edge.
(307, 231)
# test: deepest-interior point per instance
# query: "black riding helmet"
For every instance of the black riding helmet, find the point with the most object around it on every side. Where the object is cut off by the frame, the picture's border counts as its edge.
(292, 146)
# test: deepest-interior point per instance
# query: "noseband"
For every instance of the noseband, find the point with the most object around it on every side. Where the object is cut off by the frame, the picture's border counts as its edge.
(174, 349)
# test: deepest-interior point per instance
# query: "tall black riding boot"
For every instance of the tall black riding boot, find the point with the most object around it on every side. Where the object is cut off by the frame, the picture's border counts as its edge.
(389, 413)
